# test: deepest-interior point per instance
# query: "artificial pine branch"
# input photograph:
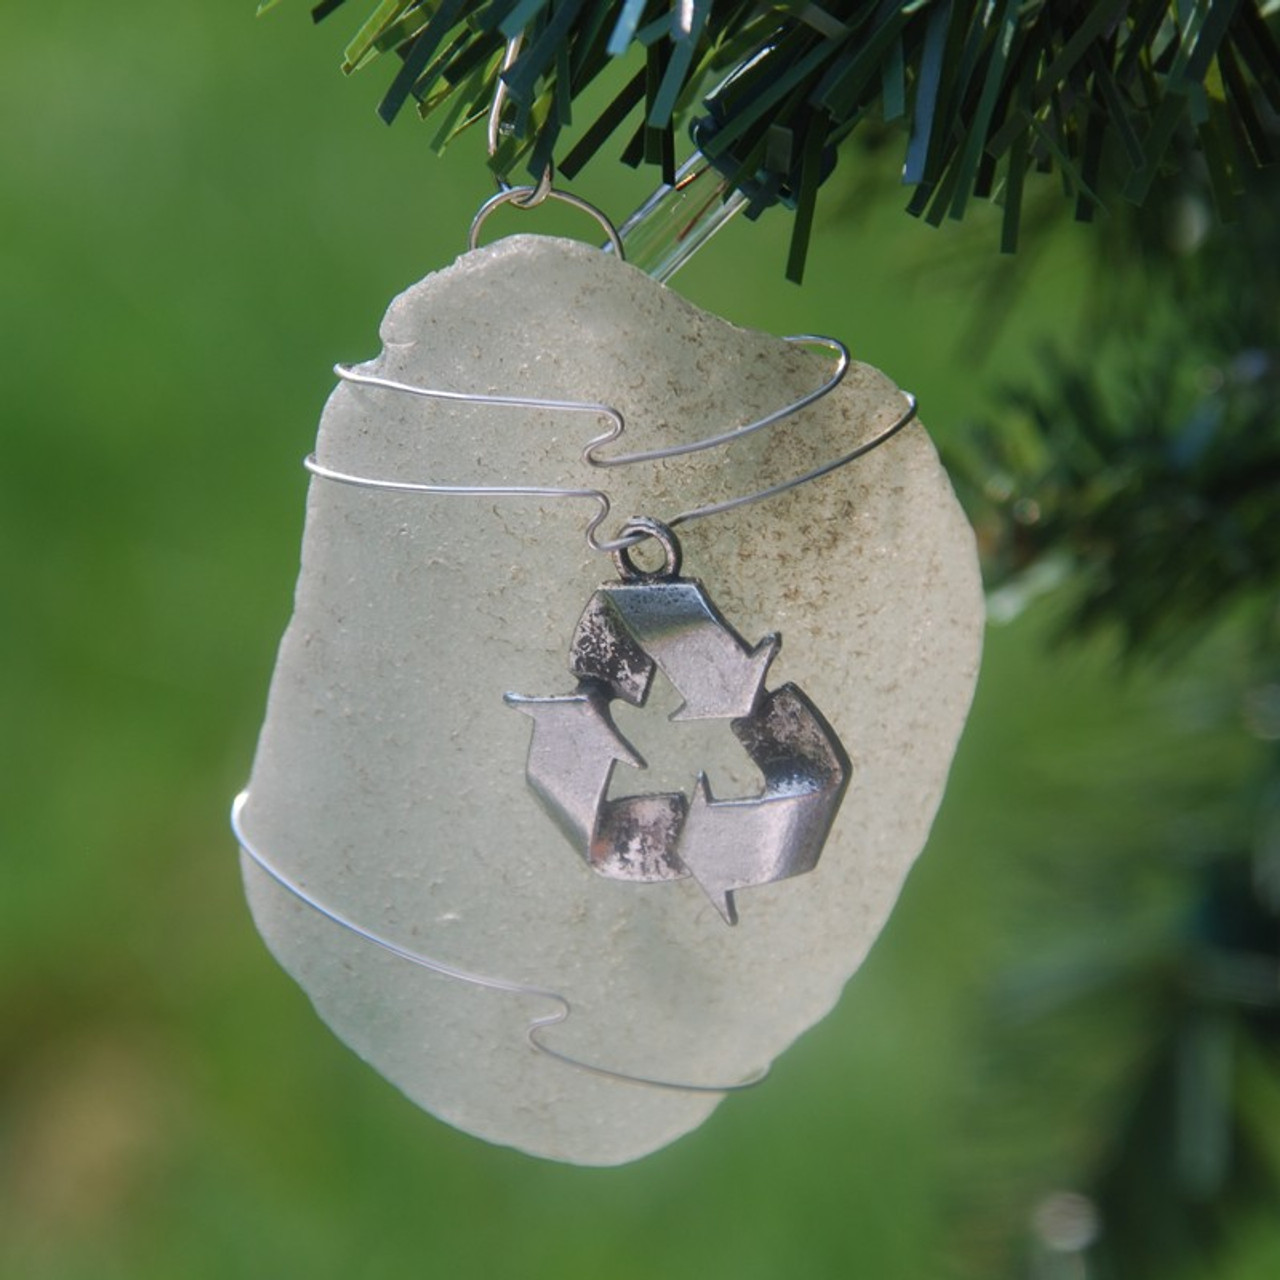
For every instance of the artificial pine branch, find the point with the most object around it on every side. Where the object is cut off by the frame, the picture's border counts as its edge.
(1143, 462)
(1154, 494)
(984, 89)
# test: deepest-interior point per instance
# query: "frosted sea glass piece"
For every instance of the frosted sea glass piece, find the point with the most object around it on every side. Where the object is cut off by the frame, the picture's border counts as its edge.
(389, 780)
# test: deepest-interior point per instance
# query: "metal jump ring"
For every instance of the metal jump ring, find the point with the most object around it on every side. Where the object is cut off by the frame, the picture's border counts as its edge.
(641, 529)
(538, 193)
(526, 197)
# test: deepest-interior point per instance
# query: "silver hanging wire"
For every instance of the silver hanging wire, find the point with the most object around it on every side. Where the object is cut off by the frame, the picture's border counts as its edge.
(528, 197)
(617, 425)
(560, 1013)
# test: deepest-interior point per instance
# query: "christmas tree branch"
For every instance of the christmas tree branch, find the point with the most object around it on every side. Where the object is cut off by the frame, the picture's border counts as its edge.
(984, 89)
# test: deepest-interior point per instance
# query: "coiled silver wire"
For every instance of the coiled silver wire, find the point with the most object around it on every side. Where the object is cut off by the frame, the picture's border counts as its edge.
(591, 454)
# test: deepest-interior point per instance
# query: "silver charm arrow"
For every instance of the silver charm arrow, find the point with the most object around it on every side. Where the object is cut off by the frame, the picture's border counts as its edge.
(571, 757)
(628, 627)
(734, 844)
(627, 632)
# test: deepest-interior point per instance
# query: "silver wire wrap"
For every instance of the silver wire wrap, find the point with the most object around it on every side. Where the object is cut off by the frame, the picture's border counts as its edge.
(564, 1007)
(634, 532)
(617, 425)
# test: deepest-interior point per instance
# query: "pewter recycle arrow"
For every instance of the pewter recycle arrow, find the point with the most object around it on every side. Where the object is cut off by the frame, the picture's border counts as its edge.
(734, 844)
(574, 747)
(628, 627)
(627, 631)
(571, 756)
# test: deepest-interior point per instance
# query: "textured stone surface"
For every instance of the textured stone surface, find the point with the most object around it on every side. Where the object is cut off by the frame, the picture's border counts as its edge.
(389, 778)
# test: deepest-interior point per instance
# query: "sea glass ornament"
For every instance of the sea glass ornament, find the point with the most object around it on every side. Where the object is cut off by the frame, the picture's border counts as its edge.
(391, 782)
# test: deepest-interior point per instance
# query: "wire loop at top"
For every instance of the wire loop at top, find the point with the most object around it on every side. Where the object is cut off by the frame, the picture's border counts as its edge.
(530, 198)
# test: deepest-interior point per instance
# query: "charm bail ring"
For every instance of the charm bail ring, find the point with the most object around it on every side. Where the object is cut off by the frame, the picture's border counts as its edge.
(642, 529)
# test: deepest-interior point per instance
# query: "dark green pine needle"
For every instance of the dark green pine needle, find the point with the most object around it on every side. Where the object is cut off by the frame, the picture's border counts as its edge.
(1108, 93)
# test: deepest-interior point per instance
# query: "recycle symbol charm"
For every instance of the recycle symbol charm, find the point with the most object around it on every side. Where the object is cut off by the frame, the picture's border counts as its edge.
(629, 630)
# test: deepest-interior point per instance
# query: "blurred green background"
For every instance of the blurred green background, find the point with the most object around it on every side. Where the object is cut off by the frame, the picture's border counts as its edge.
(197, 218)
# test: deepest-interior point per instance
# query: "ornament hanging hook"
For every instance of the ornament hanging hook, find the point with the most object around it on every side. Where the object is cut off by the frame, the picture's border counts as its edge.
(532, 195)
(528, 196)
